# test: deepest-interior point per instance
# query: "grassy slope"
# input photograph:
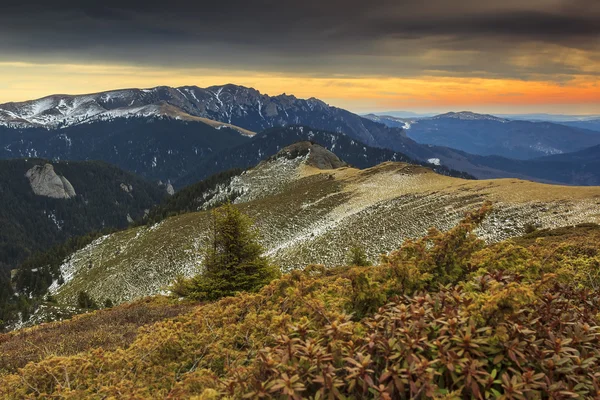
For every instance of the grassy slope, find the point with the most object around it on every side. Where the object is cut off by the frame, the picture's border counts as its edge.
(235, 343)
(317, 216)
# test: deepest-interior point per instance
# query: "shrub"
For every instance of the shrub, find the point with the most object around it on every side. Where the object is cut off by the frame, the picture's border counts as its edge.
(106, 329)
(438, 258)
(530, 228)
(366, 297)
(357, 257)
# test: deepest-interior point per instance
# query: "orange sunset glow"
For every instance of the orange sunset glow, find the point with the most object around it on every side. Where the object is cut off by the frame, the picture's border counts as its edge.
(24, 81)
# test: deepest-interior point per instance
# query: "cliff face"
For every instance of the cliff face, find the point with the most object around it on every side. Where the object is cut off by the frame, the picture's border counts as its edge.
(45, 182)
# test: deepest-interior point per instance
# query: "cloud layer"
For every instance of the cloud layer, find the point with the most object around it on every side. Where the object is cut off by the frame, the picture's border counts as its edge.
(495, 38)
(488, 56)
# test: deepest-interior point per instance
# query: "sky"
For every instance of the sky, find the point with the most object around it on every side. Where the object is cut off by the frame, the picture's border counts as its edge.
(497, 56)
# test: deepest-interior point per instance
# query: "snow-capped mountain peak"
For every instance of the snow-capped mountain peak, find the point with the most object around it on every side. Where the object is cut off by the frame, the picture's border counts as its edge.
(226, 103)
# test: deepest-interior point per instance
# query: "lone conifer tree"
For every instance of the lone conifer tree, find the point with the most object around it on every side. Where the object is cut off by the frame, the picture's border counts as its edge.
(233, 260)
(85, 301)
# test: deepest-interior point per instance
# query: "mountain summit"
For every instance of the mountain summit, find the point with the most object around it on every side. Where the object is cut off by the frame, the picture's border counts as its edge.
(316, 155)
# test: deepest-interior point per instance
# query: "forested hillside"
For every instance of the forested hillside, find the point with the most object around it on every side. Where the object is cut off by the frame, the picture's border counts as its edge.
(267, 143)
(152, 147)
(103, 199)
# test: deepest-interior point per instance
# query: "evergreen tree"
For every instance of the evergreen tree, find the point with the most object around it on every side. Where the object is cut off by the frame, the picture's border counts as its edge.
(233, 260)
(85, 301)
(357, 257)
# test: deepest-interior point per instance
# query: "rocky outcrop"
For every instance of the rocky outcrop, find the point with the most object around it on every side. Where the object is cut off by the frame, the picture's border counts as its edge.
(320, 157)
(45, 182)
(316, 155)
(170, 189)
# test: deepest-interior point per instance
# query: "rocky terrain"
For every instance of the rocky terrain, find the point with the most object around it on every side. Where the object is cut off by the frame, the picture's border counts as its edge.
(310, 215)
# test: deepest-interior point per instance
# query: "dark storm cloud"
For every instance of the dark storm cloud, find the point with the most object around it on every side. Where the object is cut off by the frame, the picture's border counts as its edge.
(525, 24)
(331, 36)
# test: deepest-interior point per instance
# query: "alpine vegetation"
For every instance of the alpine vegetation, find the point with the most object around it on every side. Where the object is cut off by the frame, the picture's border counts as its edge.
(443, 317)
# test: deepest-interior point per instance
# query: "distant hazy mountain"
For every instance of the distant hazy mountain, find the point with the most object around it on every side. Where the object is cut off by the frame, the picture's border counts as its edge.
(489, 135)
(578, 168)
(558, 118)
(467, 116)
(592, 124)
(403, 114)
(388, 120)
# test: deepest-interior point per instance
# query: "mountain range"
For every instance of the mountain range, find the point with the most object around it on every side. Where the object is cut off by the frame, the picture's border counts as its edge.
(591, 124)
(558, 118)
(46, 127)
(486, 135)
(185, 134)
(232, 104)
(577, 168)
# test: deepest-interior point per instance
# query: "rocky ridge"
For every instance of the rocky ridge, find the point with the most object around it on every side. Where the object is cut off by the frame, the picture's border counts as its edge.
(245, 109)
